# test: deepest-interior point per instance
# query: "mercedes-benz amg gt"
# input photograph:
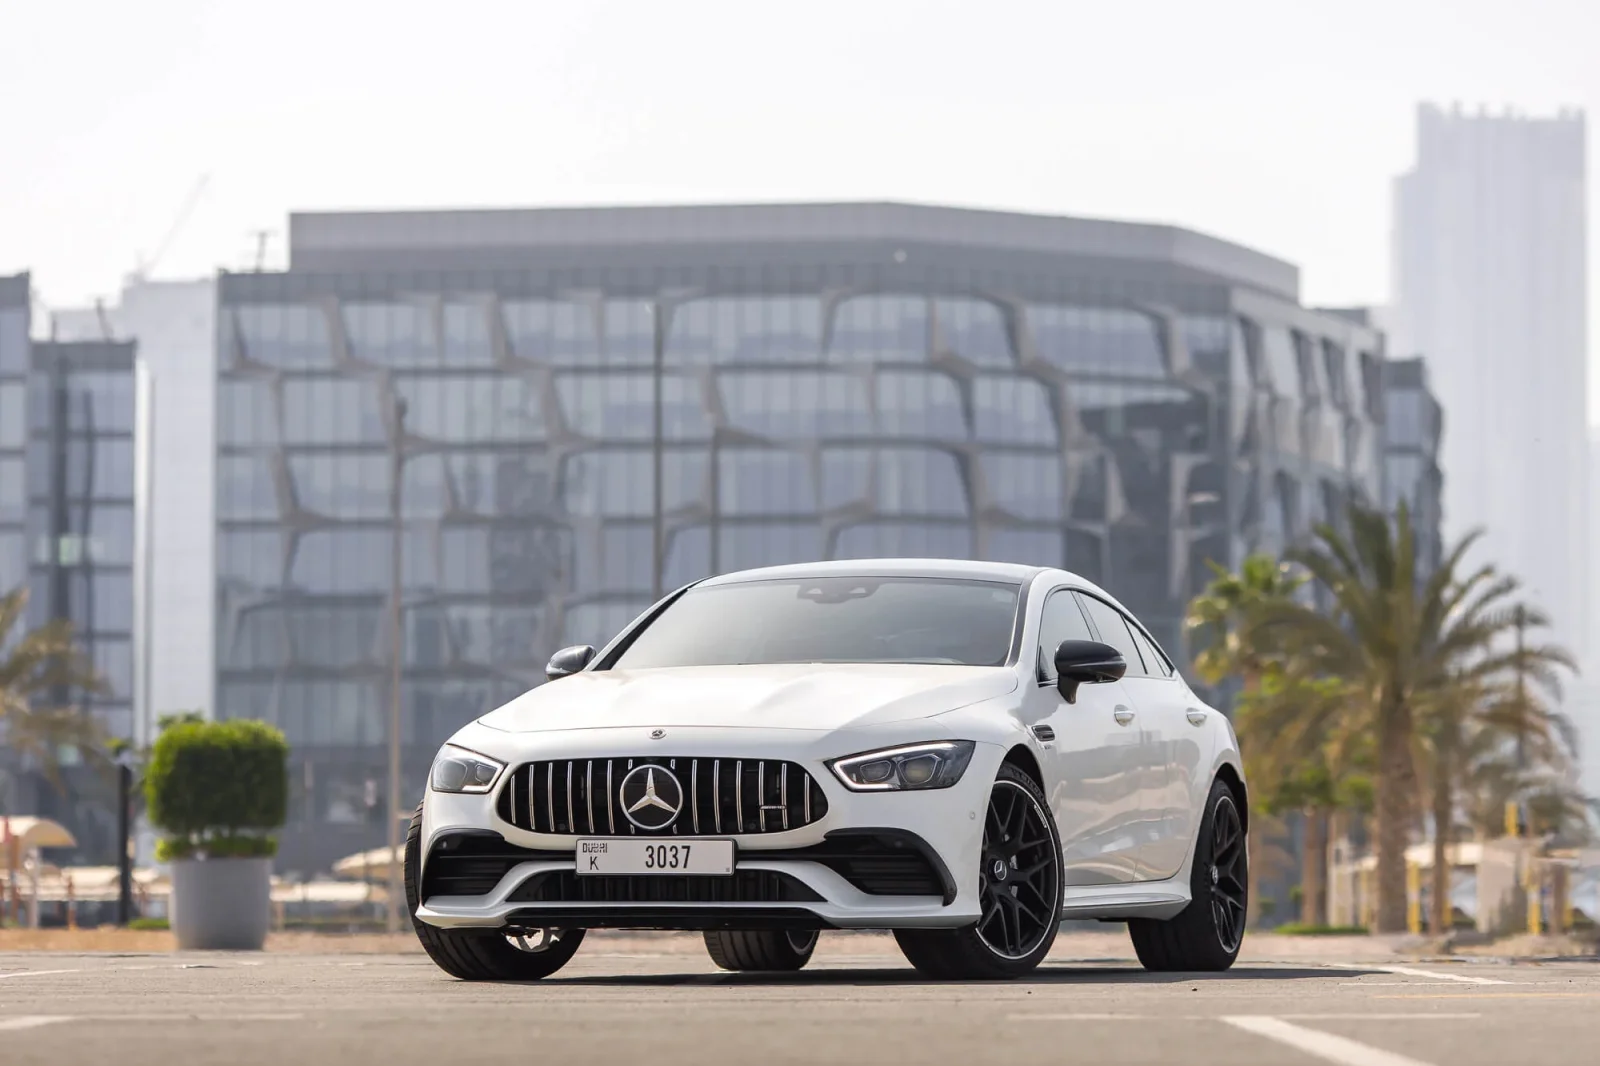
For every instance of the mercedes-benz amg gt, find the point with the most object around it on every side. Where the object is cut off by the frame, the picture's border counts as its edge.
(962, 753)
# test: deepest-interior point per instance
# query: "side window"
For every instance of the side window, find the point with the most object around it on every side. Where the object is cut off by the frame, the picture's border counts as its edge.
(1156, 664)
(1114, 631)
(1062, 620)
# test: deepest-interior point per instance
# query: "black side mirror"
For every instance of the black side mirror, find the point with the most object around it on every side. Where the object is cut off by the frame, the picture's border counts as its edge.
(1086, 662)
(568, 661)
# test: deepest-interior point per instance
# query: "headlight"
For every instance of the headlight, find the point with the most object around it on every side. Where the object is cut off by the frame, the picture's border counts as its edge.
(459, 770)
(917, 766)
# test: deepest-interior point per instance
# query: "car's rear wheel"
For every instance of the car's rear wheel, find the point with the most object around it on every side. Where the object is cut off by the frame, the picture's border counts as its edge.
(1020, 887)
(1207, 934)
(760, 949)
(484, 954)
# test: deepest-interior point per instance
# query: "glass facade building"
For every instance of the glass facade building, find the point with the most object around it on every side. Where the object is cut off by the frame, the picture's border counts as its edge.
(14, 364)
(1413, 435)
(832, 381)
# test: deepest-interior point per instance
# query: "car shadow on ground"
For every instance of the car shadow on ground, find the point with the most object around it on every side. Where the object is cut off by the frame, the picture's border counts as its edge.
(1050, 973)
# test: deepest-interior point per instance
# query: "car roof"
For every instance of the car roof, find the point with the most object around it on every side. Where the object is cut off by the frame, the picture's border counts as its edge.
(1016, 573)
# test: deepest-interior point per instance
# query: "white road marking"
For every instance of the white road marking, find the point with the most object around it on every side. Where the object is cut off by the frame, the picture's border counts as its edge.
(29, 1021)
(1364, 1016)
(1434, 975)
(1415, 984)
(33, 973)
(1336, 1049)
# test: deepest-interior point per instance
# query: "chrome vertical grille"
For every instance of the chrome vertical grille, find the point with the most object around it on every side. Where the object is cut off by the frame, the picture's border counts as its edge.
(578, 797)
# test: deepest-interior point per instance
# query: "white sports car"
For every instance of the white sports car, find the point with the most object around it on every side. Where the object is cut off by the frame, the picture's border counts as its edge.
(963, 753)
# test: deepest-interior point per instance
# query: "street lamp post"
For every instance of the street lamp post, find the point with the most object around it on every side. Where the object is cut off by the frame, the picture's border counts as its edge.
(396, 663)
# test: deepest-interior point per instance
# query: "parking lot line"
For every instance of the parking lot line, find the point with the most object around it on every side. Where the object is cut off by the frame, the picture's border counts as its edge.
(1435, 975)
(33, 973)
(1325, 1046)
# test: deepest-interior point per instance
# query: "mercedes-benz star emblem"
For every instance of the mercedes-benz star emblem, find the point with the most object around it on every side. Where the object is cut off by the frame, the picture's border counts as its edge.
(651, 797)
(657, 734)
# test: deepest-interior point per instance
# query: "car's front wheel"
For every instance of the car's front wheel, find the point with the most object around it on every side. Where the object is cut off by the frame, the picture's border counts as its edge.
(760, 949)
(484, 954)
(1020, 885)
(1207, 934)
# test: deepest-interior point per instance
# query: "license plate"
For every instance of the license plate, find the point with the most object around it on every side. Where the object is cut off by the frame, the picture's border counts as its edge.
(624, 856)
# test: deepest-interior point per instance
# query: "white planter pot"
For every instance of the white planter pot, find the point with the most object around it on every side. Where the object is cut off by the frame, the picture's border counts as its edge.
(221, 904)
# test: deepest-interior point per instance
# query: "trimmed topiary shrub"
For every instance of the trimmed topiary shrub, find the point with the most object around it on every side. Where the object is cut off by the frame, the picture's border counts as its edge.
(218, 789)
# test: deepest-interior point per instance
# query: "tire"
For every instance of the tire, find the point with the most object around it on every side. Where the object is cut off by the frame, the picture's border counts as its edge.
(977, 952)
(746, 950)
(482, 954)
(1207, 934)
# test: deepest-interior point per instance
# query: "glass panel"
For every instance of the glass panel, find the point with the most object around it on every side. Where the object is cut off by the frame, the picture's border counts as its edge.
(259, 641)
(1031, 547)
(846, 474)
(514, 484)
(1028, 486)
(616, 483)
(332, 411)
(622, 406)
(832, 619)
(975, 330)
(497, 635)
(245, 488)
(1010, 410)
(1210, 343)
(342, 485)
(286, 336)
(922, 482)
(13, 563)
(113, 661)
(337, 636)
(880, 329)
(1113, 630)
(796, 405)
(892, 540)
(1283, 365)
(688, 556)
(423, 491)
(773, 329)
(247, 413)
(342, 561)
(99, 467)
(752, 481)
(553, 331)
(13, 491)
(1108, 340)
(252, 558)
(13, 340)
(463, 409)
(1155, 665)
(1333, 369)
(629, 332)
(391, 334)
(466, 559)
(1062, 619)
(100, 601)
(13, 414)
(467, 340)
(745, 547)
(100, 401)
(622, 562)
(914, 404)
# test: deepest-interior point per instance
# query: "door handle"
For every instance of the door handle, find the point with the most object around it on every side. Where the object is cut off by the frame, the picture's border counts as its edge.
(1195, 716)
(1123, 715)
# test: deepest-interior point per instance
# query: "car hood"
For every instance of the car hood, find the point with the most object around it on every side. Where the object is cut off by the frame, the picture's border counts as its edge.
(787, 696)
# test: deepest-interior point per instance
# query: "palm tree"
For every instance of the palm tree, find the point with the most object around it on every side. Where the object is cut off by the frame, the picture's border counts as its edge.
(40, 665)
(1399, 638)
(1224, 618)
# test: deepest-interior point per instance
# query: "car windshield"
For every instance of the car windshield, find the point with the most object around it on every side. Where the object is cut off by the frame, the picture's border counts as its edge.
(832, 620)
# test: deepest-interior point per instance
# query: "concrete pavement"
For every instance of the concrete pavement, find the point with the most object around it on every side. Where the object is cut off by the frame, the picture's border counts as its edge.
(660, 1002)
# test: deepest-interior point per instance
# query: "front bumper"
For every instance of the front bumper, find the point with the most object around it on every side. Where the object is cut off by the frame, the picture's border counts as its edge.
(539, 887)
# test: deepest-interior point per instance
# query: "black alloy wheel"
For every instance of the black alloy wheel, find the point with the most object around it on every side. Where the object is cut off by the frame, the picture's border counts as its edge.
(1019, 893)
(1227, 874)
(1206, 934)
(1020, 879)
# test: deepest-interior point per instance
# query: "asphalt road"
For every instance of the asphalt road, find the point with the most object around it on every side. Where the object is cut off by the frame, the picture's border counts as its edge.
(638, 1004)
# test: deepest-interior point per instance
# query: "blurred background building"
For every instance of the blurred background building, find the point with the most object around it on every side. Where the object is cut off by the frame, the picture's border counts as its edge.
(1130, 401)
(1490, 284)
(1413, 437)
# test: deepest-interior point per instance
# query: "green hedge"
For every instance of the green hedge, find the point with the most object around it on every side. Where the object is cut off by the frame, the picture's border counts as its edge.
(1300, 929)
(217, 789)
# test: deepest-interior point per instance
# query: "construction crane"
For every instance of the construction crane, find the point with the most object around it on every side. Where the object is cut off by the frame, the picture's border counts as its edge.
(146, 265)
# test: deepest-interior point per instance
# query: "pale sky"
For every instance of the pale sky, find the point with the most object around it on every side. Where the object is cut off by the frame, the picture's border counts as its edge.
(1275, 123)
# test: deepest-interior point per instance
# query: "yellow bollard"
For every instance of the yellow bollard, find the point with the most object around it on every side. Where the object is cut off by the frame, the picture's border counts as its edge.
(1513, 823)
(1413, 897)
(1535, 902)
